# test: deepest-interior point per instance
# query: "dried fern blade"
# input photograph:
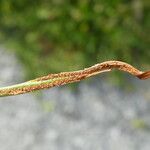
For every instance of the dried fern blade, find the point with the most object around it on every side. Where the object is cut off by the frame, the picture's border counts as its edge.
(62, 78)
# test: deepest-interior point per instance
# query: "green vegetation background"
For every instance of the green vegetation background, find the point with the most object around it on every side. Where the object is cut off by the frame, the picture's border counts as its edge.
(62, 35)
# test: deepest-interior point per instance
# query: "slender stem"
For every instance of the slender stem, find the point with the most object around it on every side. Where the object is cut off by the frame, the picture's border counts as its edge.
(62, 78)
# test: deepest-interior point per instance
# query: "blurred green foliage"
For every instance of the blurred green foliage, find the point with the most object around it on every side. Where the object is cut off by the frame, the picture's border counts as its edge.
(140, 124)
(62, 35)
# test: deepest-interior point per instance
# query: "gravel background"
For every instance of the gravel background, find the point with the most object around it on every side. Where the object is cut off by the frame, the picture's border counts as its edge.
(98, 116)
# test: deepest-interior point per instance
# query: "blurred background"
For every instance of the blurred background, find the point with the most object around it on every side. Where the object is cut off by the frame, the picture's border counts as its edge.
(107, 112)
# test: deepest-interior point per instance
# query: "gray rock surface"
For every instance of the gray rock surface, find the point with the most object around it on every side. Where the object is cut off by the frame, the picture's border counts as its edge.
(98, 116)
